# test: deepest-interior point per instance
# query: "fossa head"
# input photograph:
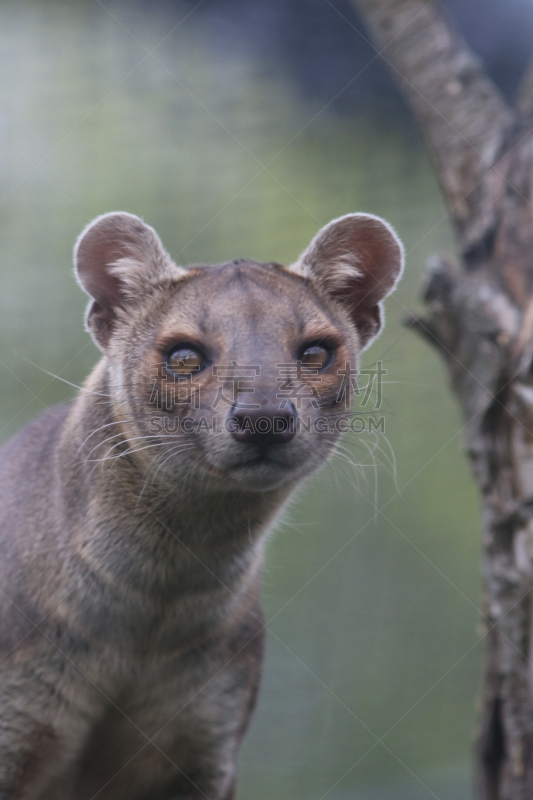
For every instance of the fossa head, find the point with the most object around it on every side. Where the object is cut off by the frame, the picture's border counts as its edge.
(236, 372)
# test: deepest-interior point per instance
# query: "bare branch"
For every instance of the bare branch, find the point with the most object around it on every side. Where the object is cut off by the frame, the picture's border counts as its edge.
(461, 114)
(480, 318)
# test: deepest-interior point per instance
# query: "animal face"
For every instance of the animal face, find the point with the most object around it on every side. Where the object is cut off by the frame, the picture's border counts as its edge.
(236, 374)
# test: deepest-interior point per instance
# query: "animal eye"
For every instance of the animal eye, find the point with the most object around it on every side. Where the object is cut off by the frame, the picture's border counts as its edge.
(316, 357)
(185, 360)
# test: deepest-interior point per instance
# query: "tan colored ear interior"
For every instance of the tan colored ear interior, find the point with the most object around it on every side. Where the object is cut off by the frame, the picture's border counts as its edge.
(358, 247)
(119, 254)
(117, 258)
(357, 261)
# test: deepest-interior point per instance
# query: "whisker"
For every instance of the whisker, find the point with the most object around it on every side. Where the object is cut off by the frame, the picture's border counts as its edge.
(134, 439)
(107, 425)
(128, 439)
(173, 452)
(58, 377)
(125, 453)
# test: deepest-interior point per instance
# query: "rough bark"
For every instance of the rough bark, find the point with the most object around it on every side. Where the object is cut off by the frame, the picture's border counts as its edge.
(479, 316)
(524, 94)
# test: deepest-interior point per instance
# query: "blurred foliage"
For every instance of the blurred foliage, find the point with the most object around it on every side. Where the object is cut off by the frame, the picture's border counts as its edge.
(372, 581)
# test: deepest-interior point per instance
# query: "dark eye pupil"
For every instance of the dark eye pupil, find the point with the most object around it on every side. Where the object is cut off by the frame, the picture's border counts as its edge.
(185, 360)
(316, 356)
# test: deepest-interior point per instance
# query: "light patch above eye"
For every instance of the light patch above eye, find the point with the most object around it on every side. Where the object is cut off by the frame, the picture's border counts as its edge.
(316, 356)
(185, 360)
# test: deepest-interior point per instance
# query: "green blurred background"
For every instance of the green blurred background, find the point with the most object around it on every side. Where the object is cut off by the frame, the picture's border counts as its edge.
(372, 581)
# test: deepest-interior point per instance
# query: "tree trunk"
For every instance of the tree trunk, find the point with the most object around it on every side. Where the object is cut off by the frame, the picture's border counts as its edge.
(479, 315)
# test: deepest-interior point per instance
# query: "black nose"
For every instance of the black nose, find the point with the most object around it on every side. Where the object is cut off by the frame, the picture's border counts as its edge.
(268, 424)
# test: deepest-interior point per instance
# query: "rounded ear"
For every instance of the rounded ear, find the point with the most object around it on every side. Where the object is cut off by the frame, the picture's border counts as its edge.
(116, 258)
(355, 260)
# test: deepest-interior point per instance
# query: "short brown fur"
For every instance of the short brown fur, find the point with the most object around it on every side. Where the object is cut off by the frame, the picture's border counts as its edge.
(131, 631)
